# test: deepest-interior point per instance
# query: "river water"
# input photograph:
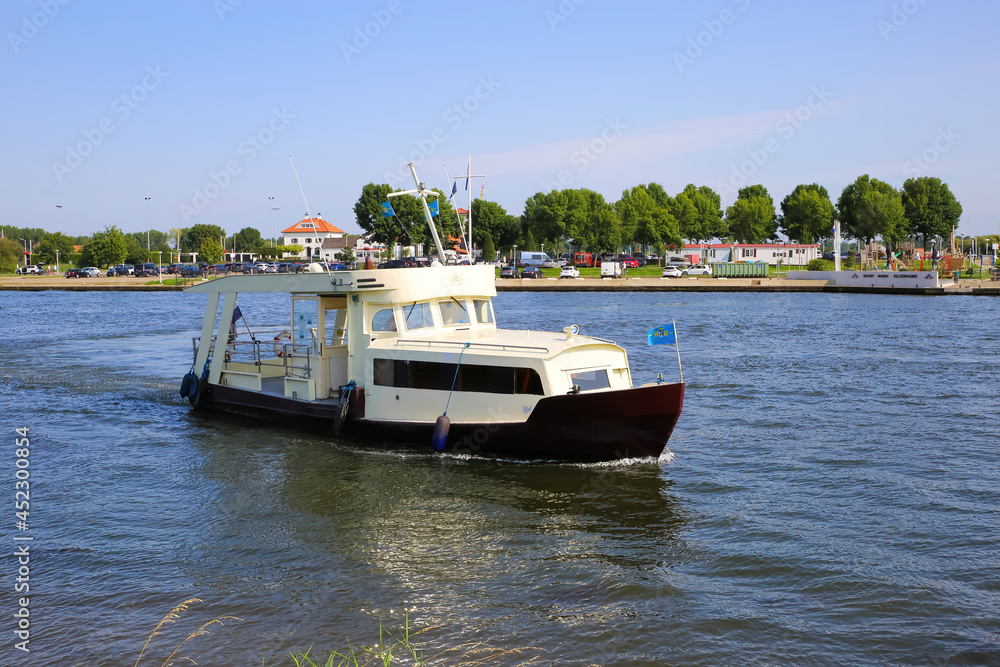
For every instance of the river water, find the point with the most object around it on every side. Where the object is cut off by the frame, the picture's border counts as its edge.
(831, 496)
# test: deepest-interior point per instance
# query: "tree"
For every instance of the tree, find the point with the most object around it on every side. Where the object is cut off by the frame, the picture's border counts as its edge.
(11, 253)
(867, 216)
(930, 207)
(210, 250)
(645, 216)
(486, 215)
(705, 221)
(409, 223)
(193, 236)
(45, 251)
(489, 250)
(106, 248)
(752, 218)
(368, 215)
(248, 239)
(546, 214)
(529, 241)
(346, 256)
(807, 214)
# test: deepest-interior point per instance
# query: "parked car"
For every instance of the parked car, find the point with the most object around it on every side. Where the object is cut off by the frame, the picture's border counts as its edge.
(400, 263)
(697, 270)
(77, 273)
(147, 270)
(569, 272)
(25, 270)
(531, 272)
(191, 271)
(508, 272)
(172, 268)
(672, 272)
(120, 270)
(629, 262)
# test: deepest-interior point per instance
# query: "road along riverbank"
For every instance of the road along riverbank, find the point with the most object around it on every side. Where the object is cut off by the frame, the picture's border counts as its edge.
(652, 284)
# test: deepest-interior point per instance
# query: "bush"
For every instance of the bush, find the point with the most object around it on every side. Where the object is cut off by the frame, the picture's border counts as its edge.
(820, 265)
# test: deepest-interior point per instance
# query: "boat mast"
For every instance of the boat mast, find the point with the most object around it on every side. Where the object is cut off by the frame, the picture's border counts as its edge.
(424, 193)
(468, 186)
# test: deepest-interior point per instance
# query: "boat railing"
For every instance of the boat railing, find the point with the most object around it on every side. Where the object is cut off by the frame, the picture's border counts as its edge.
(265, 348)
(463, 344)
(298, 358)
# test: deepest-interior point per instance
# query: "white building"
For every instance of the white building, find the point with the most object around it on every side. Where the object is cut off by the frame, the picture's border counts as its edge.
(769, 253)
(318, 238)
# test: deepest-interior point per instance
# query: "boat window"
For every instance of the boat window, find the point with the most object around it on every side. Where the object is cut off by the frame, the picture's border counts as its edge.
(305, 320)
(453, 312)
(384, 320)
(335, 320)
(411, 374)
(484, 311)
(589, 380)
(418, 316)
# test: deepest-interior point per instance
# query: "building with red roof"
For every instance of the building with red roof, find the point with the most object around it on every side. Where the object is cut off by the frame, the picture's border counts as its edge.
(317, 237)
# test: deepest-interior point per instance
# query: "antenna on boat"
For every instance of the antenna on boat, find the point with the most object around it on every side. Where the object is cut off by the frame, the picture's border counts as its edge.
(424, 193)
(308, 212)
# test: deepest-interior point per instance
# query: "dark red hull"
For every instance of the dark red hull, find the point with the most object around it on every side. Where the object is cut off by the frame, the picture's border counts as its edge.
(598, 426)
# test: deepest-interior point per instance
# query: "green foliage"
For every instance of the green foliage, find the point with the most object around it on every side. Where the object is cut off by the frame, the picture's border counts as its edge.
(105, 249)
(45, 251)
(869, 209)
(368, 215)
(346, 256)
(409, 225)
(529, 241)
(645, 215)
(248, 239)
(210, 250)
(11, 253)
(930, 208)
(705, 221)
(807, 213)
(820, 264)
(486, 217)
(752, 218)
(489, 250)
(193, 236)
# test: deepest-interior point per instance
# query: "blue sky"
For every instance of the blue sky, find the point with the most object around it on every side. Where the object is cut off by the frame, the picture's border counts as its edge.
(198, 105)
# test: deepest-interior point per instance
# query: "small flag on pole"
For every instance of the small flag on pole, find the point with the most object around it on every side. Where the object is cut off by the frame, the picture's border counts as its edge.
(387, 210)
(482, 192)
(433, 206)
(454, 189)
(663, 335)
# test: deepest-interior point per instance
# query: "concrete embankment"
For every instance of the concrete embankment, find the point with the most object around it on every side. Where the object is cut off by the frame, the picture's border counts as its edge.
(651, 284)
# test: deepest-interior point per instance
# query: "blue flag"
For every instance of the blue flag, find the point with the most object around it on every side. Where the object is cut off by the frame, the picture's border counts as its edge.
(387, 210)
(664, 335)
(433, 206)
(454, 189)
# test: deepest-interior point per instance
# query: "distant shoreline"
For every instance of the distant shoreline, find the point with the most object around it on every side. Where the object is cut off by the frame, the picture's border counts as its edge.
(652, 284)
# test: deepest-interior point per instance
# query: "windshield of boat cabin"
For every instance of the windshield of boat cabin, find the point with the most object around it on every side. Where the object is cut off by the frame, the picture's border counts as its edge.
(418, 316)
(453, 312)
(484, 311)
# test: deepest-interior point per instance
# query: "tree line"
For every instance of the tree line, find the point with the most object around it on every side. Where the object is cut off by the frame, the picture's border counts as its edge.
(647, 216)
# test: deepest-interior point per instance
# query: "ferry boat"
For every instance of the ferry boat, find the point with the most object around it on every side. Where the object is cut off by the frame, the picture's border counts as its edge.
(414, 356)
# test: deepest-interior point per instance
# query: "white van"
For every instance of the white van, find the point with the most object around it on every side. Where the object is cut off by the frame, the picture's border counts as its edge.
(540, 259)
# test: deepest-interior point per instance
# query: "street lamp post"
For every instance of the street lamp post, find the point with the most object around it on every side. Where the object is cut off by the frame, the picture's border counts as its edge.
(270, 218)
(57, 261)
(26, 251)
(159, 265)
(147, 224)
